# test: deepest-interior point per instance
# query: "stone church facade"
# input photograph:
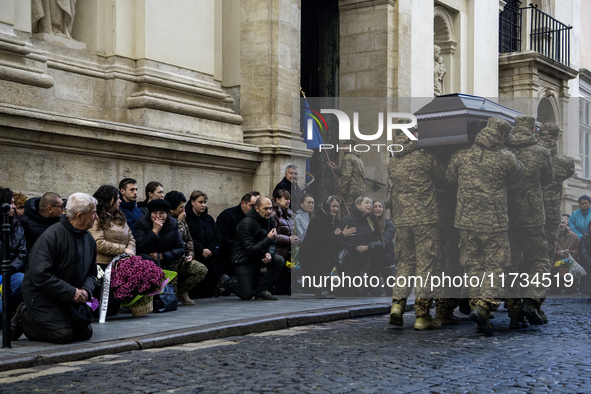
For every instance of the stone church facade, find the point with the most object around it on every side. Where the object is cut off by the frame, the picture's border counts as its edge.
(198, 94)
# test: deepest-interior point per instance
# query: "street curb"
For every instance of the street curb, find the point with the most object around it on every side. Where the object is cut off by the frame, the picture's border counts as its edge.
(198, 334)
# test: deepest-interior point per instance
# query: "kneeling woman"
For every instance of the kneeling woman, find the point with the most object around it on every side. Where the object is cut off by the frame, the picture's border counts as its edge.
(360, 244)
(157, 236)
(206, 240)
(189, 271)
(112, 235)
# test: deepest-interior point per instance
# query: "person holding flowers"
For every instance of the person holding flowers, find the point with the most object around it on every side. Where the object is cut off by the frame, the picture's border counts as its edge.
(112, 235)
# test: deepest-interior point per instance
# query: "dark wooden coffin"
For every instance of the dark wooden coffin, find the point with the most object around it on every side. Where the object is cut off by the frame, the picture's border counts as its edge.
(456, 119)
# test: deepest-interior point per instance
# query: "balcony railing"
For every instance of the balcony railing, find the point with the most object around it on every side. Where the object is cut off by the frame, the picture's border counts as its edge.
(547, 35)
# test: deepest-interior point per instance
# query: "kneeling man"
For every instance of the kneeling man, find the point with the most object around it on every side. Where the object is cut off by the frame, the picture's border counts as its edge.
(253, 249)
(62, 274)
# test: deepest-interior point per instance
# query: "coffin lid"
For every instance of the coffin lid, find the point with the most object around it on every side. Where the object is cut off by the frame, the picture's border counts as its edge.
(456, 119)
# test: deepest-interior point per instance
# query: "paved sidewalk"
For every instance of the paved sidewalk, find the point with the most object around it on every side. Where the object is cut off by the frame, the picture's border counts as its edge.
(209, 319)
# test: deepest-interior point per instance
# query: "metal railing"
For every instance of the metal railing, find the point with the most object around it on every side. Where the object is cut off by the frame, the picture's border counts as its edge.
(547, 35)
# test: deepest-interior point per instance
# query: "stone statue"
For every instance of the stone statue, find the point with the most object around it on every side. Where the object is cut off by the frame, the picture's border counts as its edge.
(53, 17)
(439, 72)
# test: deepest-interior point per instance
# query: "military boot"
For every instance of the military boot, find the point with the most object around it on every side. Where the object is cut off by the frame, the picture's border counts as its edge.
(518, 322)
(396, 313)
(543, 316)
(446, 317)
(479, 315)
(464, 304)
(185, 299)
(529, 309)
(427, 323)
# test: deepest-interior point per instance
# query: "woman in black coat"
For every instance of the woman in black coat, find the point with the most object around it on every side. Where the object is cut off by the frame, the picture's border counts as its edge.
(17, 249)
(318, 252)
(207, 240)
(359, 246)
(383, 231)
(157, 236)
(382, 256)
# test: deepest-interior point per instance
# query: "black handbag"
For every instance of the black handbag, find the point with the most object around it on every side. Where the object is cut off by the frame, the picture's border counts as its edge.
(167, 301)
(81, 315)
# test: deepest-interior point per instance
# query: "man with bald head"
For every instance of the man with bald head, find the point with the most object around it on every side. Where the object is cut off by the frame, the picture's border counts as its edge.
(253, 249)
(40, 213)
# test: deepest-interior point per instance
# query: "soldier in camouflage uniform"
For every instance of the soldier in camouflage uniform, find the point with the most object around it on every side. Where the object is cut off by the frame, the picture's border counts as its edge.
(415, 213)
(529, 247)
(483, 172)
(450, 239)
(352, 176)
(189, 271)
(564, 168)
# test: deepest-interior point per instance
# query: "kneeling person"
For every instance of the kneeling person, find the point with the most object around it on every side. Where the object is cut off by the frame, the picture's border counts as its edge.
(62, 271)
(253, 249)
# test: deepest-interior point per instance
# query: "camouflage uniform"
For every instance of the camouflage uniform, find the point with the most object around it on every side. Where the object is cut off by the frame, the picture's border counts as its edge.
(188, 273)
(564, 168)
(529, 248)
(352, 178)
(483, 172)
(450, 239)
(415, 213)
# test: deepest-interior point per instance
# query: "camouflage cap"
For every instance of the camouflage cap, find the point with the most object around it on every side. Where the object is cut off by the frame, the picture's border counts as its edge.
(498, 124)
(526, 121)
(550, 129)
(401, 139)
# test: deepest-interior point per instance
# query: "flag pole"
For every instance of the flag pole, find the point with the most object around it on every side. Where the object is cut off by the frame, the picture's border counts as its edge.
(334, 175)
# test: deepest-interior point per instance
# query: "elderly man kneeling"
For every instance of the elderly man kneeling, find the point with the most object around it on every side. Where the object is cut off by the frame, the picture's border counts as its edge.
(61, 276)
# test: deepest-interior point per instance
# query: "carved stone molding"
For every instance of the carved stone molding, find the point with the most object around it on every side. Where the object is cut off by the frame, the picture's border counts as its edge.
(19, 64)
(532, 71)
(55, 132)
(348, 5)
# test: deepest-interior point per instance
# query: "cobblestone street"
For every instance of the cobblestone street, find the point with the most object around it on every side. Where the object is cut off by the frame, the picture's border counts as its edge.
(364, 355)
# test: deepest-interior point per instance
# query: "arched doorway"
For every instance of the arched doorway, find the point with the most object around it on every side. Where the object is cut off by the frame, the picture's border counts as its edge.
(546, 112)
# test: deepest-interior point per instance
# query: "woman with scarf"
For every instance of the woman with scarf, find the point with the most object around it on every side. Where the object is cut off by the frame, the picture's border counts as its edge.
(318, 251)
(359, 247)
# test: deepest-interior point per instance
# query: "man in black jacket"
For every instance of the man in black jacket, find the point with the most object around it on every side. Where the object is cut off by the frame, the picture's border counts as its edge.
(40, 213)
(62, 273)
(290, 183)
(254, 249)
(227, 222)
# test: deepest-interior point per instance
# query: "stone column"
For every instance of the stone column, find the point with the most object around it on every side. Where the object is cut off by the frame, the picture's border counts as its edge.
(270, 62)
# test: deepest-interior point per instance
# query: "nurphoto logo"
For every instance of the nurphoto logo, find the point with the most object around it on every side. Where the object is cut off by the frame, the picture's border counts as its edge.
(394, 121)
